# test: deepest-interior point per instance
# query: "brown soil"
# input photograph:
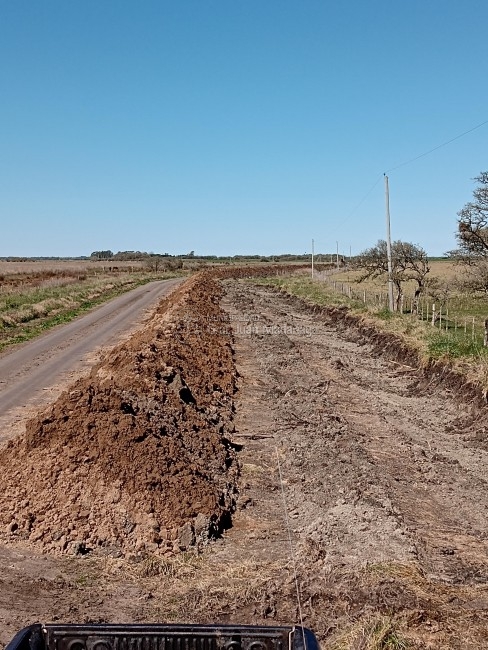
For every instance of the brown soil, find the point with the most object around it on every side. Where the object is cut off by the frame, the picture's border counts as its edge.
(117, 462)
(383, 476)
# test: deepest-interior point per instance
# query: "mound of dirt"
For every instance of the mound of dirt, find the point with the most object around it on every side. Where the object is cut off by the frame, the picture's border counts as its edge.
(136, 456)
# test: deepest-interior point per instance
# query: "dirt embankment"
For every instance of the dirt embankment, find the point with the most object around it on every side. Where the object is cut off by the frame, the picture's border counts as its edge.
(135, 456)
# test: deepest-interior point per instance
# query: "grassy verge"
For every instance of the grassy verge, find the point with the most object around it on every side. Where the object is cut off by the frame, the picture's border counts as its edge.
(460, 316)
(26, 314)
(372, 633)
(449, 344)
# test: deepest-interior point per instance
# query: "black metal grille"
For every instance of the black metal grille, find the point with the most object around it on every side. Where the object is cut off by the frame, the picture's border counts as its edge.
(159, 637)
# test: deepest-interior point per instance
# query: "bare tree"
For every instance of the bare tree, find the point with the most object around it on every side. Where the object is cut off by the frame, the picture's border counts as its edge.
(472, 234)
(163, 263)
(155, 263)
(472, 237)
(409, 263)
(440, 291)
(475, 276)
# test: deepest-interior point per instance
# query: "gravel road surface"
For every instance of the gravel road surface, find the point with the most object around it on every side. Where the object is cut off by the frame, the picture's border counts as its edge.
(34, 373)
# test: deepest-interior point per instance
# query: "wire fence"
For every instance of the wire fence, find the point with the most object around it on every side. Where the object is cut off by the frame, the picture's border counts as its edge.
(445, 316)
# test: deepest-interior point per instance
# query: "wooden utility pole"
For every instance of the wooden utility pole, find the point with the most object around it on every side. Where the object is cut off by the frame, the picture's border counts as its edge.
(337, 254)
(388, 246)
(312, 258)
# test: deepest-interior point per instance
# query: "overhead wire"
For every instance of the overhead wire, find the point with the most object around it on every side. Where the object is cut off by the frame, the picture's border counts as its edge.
(444, 144)
(407, 162)
(358, 205)
(364, 197)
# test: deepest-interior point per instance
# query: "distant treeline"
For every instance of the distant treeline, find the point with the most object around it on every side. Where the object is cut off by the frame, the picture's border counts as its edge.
(129, 256)
(12, 258)
(139, 255)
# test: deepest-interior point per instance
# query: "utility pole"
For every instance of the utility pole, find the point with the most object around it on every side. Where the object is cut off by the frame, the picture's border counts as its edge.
(388, 246)
(312, 258)
(337, 255)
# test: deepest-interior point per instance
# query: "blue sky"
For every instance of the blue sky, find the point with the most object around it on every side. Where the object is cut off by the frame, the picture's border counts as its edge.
(237, 126)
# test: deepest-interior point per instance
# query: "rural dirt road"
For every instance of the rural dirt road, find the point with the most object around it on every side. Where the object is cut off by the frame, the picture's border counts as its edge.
(378, 480)
(34, 373)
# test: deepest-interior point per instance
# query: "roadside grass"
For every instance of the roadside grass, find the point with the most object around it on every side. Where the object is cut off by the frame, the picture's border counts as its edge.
(457, 339)
(29, 311)
(372, 633)
(462, 315)
(316, 292)
(444, 270)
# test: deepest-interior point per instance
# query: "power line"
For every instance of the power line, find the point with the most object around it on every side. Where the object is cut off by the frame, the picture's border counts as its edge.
(364, 198)
(407, 162)
(444, 144)
(358, 205)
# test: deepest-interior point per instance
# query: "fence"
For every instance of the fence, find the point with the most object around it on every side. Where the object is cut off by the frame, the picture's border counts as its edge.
(442, 316)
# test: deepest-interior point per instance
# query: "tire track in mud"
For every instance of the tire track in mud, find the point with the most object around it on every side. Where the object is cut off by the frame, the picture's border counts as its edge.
(387, 500)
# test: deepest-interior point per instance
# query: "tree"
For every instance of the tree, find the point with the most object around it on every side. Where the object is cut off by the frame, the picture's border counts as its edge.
(102, 255)
(472, 238)
(409, 263)
(475, 275)
(155, 263)
(163, 263)
(472, 234)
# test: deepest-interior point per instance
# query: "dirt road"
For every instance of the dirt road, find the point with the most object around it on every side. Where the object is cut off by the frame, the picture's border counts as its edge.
(369, 489)
(33, 374)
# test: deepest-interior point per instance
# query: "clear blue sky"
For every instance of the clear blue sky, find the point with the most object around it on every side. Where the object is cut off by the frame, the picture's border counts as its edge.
(237, 126)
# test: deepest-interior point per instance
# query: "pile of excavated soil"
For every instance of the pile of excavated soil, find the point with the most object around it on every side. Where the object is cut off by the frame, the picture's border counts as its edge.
(136, 456)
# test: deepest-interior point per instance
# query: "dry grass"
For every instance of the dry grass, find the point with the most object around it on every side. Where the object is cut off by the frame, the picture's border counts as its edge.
(189, 587)
(444, 270)
(65, 266)
(371, 633)
(194, 588)
(36, 300)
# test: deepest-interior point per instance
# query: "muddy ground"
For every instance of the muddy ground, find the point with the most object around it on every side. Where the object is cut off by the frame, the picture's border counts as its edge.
(365, 484)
